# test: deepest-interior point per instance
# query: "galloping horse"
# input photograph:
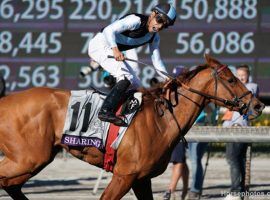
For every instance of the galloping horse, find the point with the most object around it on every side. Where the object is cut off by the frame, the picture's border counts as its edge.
(31, 125)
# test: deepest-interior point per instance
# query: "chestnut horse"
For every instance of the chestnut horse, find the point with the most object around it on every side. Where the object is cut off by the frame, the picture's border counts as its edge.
(32, 121)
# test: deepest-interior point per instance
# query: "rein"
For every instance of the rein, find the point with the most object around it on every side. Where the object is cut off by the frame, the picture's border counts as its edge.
(168, 105)
(236, 102)
(173, 85)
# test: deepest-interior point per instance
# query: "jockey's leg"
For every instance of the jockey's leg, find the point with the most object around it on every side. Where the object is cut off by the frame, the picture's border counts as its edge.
(142, 189)
(118, 187)
(124, 73)
(109, 107)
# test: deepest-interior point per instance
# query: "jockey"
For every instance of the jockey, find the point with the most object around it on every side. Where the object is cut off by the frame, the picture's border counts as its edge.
(128, 32)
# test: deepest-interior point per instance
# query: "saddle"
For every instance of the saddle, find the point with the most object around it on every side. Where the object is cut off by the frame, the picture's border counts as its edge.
(131, 102)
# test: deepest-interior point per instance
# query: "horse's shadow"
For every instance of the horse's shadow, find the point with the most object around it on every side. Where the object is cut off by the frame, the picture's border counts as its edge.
(42, 183)
(209, 192)
(58, 186)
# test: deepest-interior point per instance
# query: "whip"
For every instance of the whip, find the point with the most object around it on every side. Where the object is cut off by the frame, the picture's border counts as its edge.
(140, 62)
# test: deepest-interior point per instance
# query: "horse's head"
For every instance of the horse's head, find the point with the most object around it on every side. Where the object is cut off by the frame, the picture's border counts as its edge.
(230, 92)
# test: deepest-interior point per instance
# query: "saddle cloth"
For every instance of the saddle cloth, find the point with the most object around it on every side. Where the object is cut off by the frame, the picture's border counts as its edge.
(82, 125)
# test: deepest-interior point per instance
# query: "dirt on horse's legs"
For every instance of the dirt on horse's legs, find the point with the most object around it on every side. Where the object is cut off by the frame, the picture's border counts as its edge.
(118, 187)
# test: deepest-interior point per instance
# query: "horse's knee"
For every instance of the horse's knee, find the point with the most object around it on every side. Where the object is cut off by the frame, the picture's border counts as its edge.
(9, 182)
(10, 169)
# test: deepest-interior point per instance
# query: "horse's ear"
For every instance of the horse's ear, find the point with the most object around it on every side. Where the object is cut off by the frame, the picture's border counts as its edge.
(211, 61)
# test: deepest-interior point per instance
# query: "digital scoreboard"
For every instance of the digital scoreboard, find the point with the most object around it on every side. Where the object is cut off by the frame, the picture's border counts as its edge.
(44, 42)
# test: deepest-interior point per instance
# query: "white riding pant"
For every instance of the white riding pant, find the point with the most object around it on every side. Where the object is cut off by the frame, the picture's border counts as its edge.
(98, 50)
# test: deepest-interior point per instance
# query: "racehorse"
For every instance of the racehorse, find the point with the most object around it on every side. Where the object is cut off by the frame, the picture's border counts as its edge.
(31, 125)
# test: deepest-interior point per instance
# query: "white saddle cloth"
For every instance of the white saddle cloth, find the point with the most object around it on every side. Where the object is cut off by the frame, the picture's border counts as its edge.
(82, 125)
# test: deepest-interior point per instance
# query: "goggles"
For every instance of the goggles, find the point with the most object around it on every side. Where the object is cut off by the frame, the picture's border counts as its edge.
(160, 19)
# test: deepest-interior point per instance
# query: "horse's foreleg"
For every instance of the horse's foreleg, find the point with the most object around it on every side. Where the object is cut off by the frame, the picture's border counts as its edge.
(15, 192)
(142, 189)
(118, 187)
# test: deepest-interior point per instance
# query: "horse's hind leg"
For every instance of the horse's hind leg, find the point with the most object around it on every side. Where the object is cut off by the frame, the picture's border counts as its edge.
(28, 162)
(15, 192)
(142, 189)
(12, 185)
(10, 170)
(118, 187)
(14, 174)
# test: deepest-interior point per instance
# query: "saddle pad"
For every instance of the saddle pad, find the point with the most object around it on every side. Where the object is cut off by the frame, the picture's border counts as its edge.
(82, 125)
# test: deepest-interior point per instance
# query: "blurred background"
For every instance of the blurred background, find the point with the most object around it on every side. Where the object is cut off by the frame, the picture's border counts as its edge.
(44, 42)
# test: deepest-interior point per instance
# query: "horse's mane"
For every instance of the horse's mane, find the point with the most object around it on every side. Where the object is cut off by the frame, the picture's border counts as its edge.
(185, 77)
(188, 75)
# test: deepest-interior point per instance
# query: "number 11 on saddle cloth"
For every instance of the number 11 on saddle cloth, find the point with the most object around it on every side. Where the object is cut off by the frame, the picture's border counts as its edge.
(82, 125)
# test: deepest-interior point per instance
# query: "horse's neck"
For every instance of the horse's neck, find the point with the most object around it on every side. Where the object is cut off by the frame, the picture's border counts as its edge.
(191, 103)
(187, 110)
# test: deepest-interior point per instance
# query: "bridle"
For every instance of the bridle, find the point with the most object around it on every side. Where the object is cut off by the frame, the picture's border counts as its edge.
(236, 102)
(173, 85)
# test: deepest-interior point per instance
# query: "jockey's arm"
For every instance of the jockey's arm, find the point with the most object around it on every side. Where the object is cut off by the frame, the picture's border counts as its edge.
(130, 22)
(156, 59)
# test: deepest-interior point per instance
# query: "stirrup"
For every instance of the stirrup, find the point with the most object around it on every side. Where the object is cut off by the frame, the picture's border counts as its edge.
(119, 122)
(112, 118)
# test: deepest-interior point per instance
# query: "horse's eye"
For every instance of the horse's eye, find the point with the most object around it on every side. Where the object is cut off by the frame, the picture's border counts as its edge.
(231, 80)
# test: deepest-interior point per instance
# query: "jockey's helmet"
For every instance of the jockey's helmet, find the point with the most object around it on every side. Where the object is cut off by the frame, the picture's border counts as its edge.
(166, 10)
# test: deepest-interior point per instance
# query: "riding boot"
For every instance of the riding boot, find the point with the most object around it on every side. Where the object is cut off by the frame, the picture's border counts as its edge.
(108, 110)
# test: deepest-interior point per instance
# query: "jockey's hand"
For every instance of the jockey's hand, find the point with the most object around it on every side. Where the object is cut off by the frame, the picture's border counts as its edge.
(118, 55)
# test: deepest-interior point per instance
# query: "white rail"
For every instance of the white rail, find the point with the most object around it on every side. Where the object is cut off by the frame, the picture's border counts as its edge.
(233, 134)
(219, 134)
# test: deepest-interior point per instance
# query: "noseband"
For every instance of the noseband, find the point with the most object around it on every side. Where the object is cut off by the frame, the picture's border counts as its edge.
(236, 102)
